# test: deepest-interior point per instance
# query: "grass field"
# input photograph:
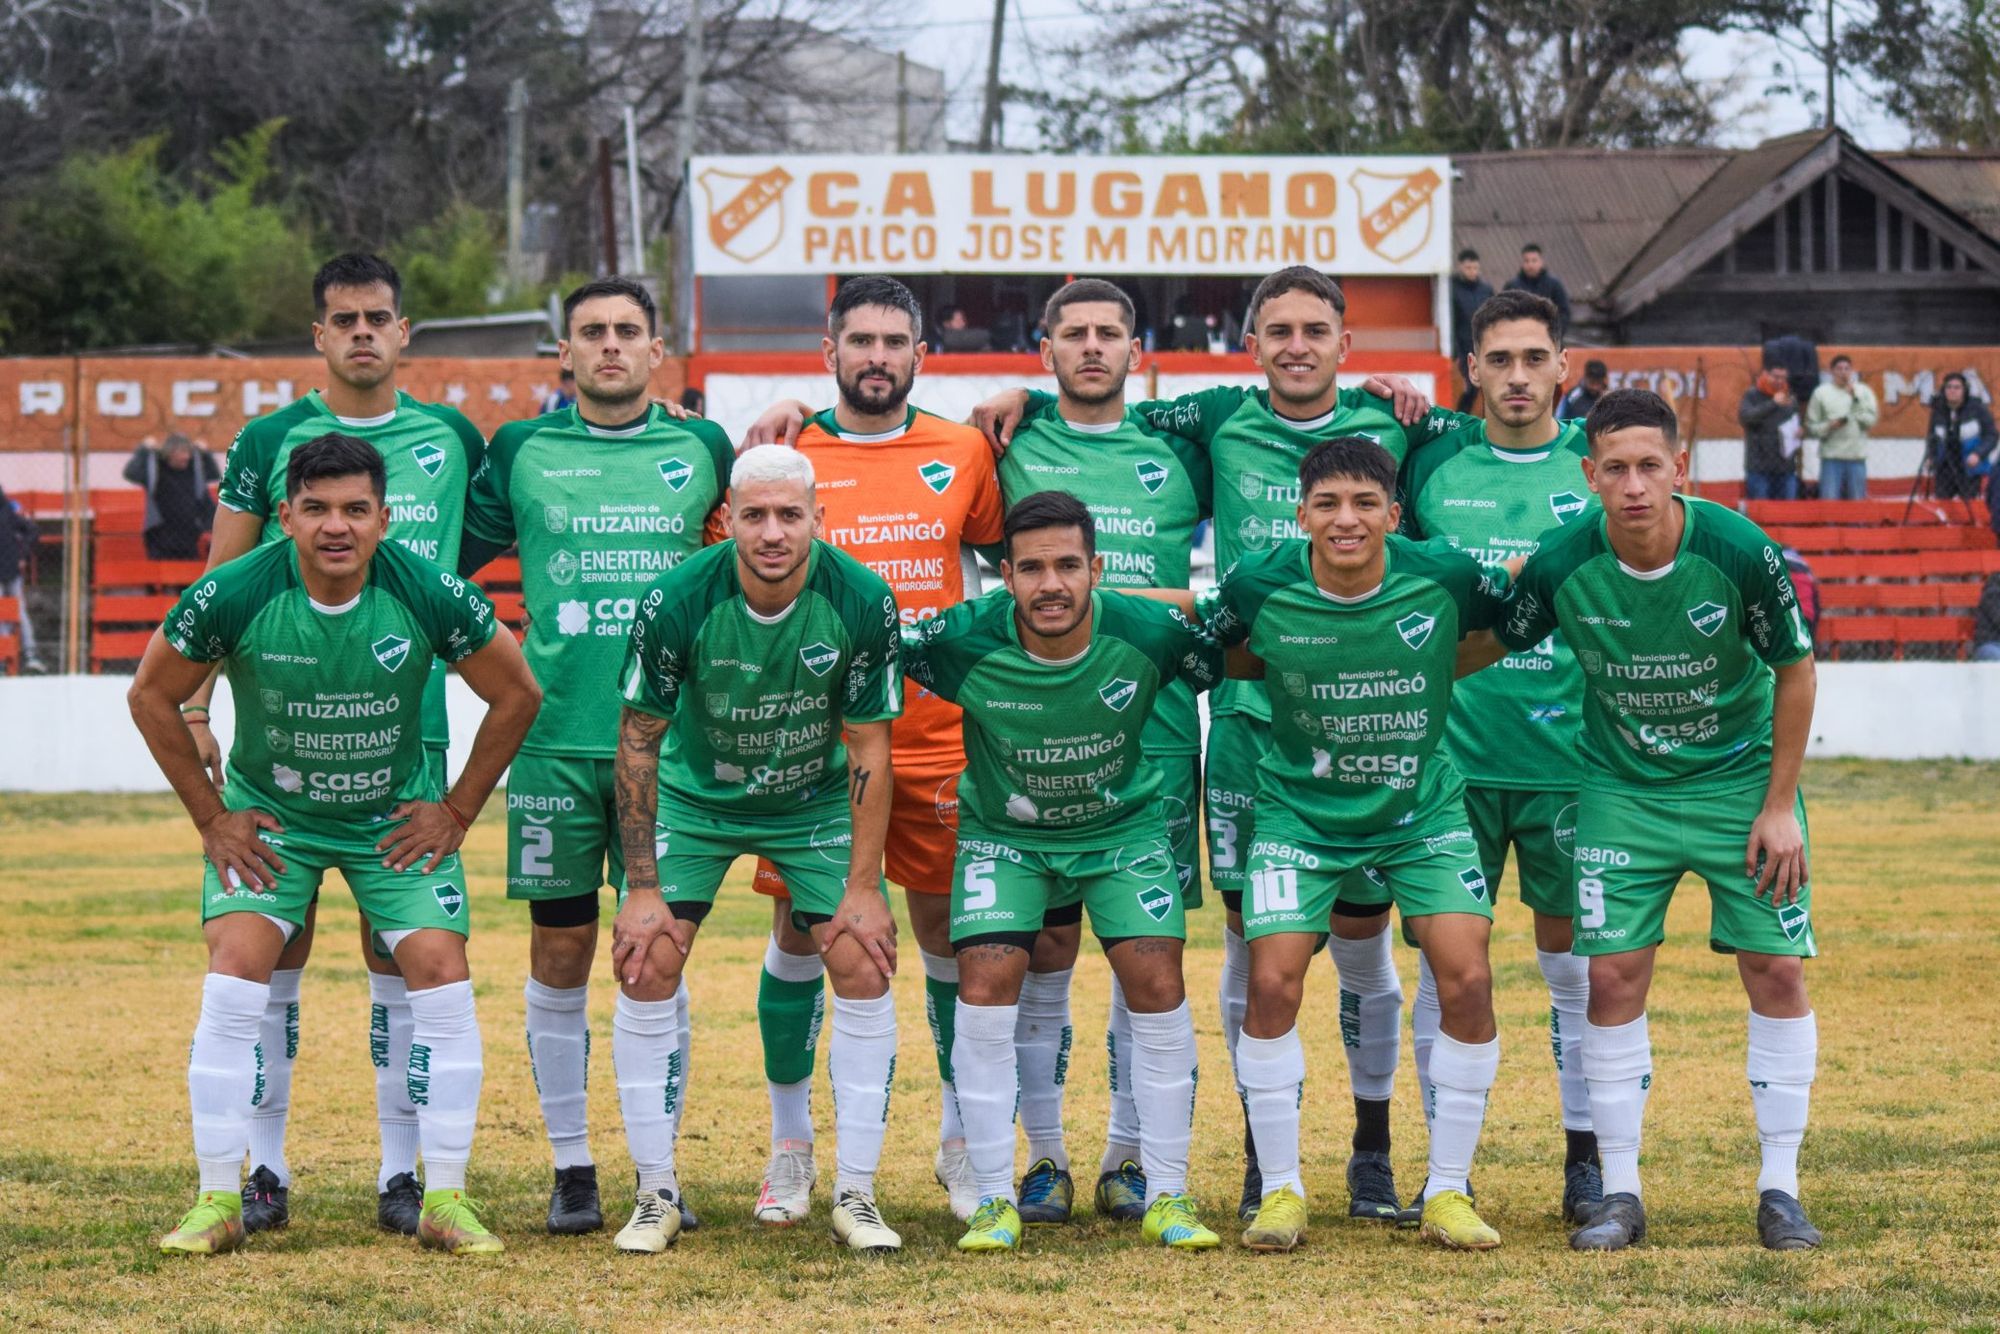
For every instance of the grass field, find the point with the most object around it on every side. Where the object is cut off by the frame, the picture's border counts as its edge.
(103, 961)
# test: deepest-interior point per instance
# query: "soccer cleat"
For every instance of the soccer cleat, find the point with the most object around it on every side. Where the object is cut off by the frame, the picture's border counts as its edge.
(1252, 1197)
(1371, 1187)
(573, 1206)
(656, 1222)
(1412, 1214)
(858, 1225)
(953, 1170)
(398, 1208)
(1122, 1194)
(1450, 1221)
(689, 1221)
(1583, 1191)
(785, 1197)
(996, 1226)
(1620, 1221)
(213, 1226)
(1782, 1225)
(1171, 1222)
(451, 1223)
(1280, 1224)
(1047, 1194)
(264, 1202)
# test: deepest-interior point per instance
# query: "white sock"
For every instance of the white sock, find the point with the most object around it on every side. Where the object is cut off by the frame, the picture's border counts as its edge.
(1568, 976)
(278, 1043)
(982, 1056)
(389, 1025)
(861, 1067)
(1121, 1133)
(1461, 1075)
(1233, 993)
(446, 1072)
(1425, 1018)
(559, 1061)
(646, 1058)
(1042, 1036)
(222, 1076)
(1273, 1073)
(1618, 1067)
(1165, 1071)
(942, 969)
(1784, 1054)
(685, 1017)
(1371, 1012)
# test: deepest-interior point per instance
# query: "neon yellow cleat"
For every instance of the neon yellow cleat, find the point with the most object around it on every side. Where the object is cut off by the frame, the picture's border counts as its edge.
(1449, 1221)
(450, 1223)
(213, 1226)
(1170, 1220)
(1280, 1224)
(996, 1226)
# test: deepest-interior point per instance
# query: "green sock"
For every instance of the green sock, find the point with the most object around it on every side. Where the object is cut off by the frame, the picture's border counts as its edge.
(941, 1008)
(788, 1017)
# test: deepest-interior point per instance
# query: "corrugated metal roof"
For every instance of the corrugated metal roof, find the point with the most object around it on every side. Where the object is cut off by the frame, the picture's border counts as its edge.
(1967, 183)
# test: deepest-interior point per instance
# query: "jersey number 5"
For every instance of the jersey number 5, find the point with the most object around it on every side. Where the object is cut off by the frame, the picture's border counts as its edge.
(980, 891)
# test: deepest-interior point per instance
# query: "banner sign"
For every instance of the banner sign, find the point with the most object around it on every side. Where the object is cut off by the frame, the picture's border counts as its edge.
(1122, 215)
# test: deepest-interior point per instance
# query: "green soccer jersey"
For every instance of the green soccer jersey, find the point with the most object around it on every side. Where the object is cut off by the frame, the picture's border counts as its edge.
(1055, 752)
(1676, 661)
(1514, 725)
(1359, 690)
(326, 697)
(599, 515)
(1147, 491)
(429, 452)
(757, 704)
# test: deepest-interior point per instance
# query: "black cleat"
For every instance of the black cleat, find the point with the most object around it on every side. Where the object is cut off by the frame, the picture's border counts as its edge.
(573, 1207)
(398, 1208)
(1781, 1223)
(264, 1202)
(1252, 1198)
(1583, 1192)
(1371, 1188)
(689, 1222)
(1620, 1221)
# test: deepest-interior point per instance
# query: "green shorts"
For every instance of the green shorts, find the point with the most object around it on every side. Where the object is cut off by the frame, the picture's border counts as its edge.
(1236, 741)
(1541, 827)
(694, 850)
(1180, 794)
(562, 827)
(1295, 876)
(1632, 848)
(998, 890)
(407, 900)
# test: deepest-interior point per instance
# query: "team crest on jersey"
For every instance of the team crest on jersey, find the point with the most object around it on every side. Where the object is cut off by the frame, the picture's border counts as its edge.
(819, 658)
(562, 568)
(1250, 486)
(746, 214)
(1157, 900)
(392, 651)
(555, 518)
(430, 457)
(1117, 693)
(675, 473)
(1152, 475)
(1708, 617)
(1566, 505)
(1592, 660)
(287, 778)
(273, 700)
(718, 706)
(450, 898)
(937, 475)
(1416, 628)
(1397, 213)
(1474, 882)
(1793, 919)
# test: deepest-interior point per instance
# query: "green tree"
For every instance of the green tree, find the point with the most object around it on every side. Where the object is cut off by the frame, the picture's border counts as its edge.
(1937, 63)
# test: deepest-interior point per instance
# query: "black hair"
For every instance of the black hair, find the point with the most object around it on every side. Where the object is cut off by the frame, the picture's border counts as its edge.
(356, 269)
(1514, 304)
(625, 287)
(1596, 370)
(1088, 289)
(1048, 509)
(1468, 253)
(1622, 409)
(1532, 245)
(1840, 358)
(335, 455)
(874, 289)
(1354, 456)
(1297, 278)
(1959, 376)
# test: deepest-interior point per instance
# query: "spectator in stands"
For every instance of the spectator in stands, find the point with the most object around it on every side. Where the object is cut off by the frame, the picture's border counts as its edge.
(17, 538)
(957, 334)
(176, 476)
(1579, 401)
(1840, 415)
(563, 395)
(1960, 440)
(1770, 452)
(1986, 622)
(1535, 277)
(694, 401)
(1468, 291)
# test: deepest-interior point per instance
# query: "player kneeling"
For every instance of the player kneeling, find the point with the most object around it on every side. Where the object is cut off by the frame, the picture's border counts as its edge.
(1059, 805)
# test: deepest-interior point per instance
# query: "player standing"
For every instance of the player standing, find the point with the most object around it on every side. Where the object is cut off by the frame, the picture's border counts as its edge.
(1493, 489)
(603, 497)
(1699, 687)
(429, 450)
(750, 659)
(327, 640)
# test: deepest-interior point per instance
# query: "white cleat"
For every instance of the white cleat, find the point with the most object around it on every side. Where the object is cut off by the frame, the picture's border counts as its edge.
(786, 1196)
(954, 1172)
(858, 1226)
(656, 1222)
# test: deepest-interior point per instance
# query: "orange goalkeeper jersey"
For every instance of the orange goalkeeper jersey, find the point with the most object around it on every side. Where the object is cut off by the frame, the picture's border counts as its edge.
(903, 503)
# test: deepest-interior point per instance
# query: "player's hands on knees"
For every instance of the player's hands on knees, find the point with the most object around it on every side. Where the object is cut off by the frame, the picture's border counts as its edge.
(210, 751)
(642, 919)
(997, 417)
(242, 859)
(780, 424)
(427, 831)
(1776, 855)
(865, 916)
(1408, 402)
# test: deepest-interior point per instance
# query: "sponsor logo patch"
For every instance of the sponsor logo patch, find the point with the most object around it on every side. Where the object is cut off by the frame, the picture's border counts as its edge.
(572, 617)
(555, 518)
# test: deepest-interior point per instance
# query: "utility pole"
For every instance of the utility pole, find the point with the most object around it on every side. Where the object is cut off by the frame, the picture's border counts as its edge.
(989, 123)
(680, 277)
(517, 157)
(1830, 64)
(632, 189)
(607, 209)
(902, 102)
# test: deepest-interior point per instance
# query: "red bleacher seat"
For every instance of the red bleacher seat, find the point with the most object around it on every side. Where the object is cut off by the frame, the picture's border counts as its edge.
(1957, 595)
(1945, 564)
(1838, 632)
(1949, 634)
(502, 573)
(1836, 569)
(1881, 597)
(118, 510)
(165, 575)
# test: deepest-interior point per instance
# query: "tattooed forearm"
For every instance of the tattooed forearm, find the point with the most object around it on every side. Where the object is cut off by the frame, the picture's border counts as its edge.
(857, 786)
(636, 779)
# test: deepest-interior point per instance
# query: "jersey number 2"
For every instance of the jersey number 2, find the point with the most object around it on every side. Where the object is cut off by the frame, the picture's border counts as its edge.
(537, 842)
